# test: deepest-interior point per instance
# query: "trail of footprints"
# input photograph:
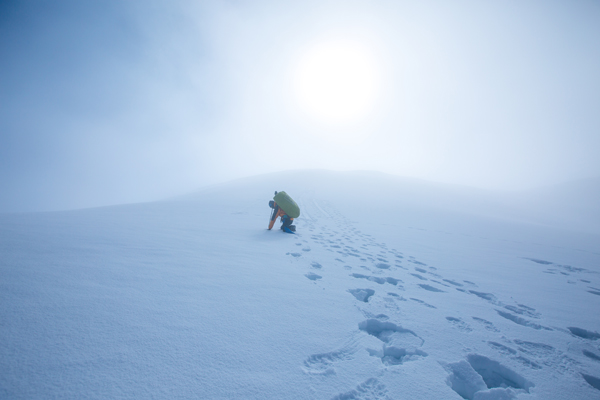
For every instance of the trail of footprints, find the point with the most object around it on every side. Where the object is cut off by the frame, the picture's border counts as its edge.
(376, 263)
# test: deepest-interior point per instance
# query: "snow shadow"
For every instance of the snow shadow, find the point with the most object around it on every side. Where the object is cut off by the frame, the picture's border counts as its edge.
(591, 355)
(592, 380)
(481, 378)
(584, 333)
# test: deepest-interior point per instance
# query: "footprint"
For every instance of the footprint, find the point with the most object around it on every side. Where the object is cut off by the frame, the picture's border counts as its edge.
(521, 321)
(393, 281)
(440, 283)
(306, 249)
(527, 362)
(371, 389)
(480, 374)
(592, 380)
(486, 296)
(382, 266)
(294, 254)
(589, 354)
(537, 261)
(583, 333)
(420, 277)
(399, 344)
(316, 265)
(323, 363)
(430, 288)
(459, 324)
(312, 276)
(502, 349)
(537, 349)
(362, 294)
(422, 302)
(573, 269)
(396, 296)
(377, 279)
(523, 310)
(487, 324)
(464, 380)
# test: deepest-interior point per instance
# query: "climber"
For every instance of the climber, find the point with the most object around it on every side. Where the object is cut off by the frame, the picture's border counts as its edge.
(285, 207)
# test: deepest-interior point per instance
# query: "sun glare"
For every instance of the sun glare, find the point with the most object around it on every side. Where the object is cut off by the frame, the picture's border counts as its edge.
(337, 82)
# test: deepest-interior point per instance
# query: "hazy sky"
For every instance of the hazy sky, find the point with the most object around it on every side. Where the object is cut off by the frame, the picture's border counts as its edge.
(108, 102)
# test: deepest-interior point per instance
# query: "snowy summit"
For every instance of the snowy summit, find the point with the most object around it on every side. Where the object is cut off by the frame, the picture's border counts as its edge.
(390, 288)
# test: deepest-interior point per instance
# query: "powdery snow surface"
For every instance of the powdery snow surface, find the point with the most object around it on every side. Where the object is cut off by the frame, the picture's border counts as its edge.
(391, 289)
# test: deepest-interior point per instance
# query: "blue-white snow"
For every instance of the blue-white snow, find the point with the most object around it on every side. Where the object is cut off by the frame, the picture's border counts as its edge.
(392, 288)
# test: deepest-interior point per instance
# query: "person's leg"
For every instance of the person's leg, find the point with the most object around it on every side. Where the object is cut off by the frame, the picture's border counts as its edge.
(285, 221)
(286, 225)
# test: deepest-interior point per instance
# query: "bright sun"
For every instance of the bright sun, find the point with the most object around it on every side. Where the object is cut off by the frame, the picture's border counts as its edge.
(337, 82)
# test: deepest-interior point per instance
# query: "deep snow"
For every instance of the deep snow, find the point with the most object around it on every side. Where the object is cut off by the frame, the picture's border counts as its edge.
(392, 288)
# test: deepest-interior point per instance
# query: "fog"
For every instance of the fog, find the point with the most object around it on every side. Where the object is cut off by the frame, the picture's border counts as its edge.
(115, 102)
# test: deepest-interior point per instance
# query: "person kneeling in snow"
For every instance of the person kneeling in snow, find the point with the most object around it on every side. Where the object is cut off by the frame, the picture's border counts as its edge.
(285, 207)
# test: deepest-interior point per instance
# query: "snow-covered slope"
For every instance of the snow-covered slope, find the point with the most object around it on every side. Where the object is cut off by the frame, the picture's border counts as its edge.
(392, 288)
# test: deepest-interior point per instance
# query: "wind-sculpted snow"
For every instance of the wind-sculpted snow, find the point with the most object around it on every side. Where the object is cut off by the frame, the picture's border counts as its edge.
(370, 299)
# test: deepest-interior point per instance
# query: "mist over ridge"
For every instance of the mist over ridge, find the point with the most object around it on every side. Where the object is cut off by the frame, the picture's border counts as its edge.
(130, 102)
(570, 205)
